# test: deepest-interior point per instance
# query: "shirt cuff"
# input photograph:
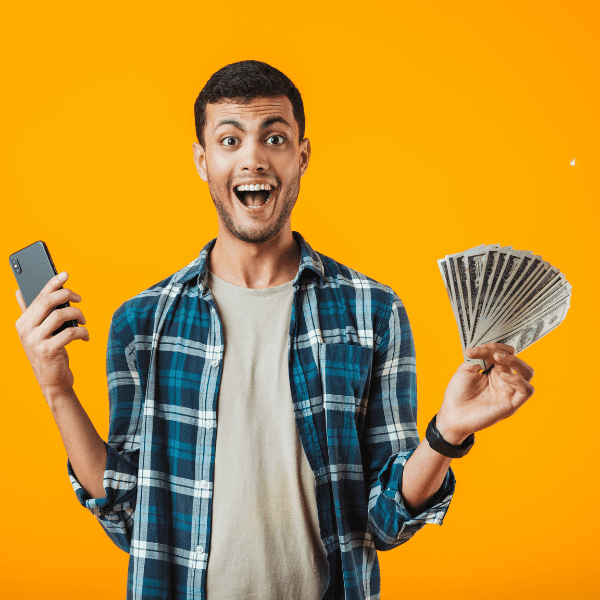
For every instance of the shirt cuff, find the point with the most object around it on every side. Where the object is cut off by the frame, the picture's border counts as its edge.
(120, 483)
(435, 510)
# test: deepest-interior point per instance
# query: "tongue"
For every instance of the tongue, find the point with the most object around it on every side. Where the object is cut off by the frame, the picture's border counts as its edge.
(255, 198)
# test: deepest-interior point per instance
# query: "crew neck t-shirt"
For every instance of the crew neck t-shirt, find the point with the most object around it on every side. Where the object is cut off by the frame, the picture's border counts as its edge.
(265, 542)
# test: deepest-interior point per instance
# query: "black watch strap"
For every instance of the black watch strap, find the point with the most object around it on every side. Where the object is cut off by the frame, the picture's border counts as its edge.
(439, 444)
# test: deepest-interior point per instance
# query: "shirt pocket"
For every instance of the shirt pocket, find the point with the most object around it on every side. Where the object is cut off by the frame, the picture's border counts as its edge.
(345, 371)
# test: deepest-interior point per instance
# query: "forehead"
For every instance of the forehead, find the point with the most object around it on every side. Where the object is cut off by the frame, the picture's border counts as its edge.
(257, 110)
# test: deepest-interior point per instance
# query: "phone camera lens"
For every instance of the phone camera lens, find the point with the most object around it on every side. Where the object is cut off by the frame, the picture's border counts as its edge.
(16, 265)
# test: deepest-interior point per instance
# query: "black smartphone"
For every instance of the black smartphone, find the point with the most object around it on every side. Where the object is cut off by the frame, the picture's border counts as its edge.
(33, 268)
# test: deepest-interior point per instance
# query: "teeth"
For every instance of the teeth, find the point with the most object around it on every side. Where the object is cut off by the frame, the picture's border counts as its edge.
(253, 187)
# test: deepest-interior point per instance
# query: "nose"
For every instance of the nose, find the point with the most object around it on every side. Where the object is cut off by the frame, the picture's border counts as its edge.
(254, 156)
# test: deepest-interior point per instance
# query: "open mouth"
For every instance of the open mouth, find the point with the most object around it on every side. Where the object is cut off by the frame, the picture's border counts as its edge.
(253, 198)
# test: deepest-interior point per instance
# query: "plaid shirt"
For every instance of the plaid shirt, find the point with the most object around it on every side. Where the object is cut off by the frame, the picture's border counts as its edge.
(353, 383)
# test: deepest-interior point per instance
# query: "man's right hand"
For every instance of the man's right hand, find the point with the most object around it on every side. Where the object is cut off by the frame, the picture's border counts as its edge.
(46, 352)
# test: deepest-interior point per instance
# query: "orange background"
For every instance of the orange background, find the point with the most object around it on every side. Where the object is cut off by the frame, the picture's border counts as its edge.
(434, 127)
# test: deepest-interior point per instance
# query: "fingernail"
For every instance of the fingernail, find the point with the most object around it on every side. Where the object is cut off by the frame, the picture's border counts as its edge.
(63, 275)
(78, 297)
(500, 355)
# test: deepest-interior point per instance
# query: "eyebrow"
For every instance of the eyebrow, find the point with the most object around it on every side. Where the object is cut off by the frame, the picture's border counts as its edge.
(266, 123)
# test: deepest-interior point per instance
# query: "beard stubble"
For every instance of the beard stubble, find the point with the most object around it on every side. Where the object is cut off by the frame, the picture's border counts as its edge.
(253, 235)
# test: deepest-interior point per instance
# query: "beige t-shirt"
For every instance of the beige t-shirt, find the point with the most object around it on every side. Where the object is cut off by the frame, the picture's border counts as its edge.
(265, 542)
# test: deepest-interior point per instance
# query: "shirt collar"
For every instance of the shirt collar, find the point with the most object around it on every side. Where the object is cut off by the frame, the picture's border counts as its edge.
(309, 260)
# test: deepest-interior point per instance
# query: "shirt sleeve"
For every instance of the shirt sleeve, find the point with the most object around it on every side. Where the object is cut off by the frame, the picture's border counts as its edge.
(391, 436)
(116, 509)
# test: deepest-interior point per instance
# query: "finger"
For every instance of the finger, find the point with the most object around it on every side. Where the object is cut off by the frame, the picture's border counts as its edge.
(494, 347)
(487, 354)
(523, 388)
(502, 347)
(43, 305)
(66, 336)
(58, 317)
(469, 368)
(516, 364)
(21, 301)
(55, 283)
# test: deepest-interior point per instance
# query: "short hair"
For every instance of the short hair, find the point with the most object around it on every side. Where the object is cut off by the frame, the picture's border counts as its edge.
(242, 82)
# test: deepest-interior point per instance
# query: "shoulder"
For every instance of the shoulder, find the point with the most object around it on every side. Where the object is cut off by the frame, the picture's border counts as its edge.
(351, 283)
(362, 295)
(142, 308)
(137, 314)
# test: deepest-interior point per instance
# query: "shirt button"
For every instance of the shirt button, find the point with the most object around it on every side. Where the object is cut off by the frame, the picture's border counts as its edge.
(200, 549)
(204, 484)
(215, 363)
(209, 425)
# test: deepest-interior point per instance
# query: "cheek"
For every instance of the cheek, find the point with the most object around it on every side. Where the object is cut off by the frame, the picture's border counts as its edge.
(293, 182)
(290, 174)
(219, 163)
(218, 179)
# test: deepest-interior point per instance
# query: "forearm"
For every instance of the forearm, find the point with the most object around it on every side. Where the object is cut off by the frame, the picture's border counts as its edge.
(424, 473)
(84, 446)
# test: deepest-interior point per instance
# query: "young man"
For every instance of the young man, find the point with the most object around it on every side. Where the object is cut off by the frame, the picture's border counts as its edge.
(263, 440)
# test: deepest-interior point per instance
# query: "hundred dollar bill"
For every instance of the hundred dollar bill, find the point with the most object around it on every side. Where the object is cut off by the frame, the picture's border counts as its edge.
(533, 331)
(499, 294)
(523, 275)
(530, 305)
(534, 314)
(446, 277)
(475, 271)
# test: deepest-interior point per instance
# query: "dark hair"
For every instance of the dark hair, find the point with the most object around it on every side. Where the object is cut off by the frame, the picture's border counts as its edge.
(242, 82)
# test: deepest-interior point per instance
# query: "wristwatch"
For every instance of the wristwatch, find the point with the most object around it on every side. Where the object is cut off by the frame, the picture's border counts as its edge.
(439, 444)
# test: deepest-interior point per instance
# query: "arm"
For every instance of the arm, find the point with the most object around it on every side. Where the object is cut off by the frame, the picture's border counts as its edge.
(391, 440)
(50, 363)
(84, 447)
(103, 476)
(115, 509)
(473, 401)
(423, 475)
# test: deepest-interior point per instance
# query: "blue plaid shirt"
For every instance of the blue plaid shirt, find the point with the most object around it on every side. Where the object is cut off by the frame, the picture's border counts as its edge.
(353, 382)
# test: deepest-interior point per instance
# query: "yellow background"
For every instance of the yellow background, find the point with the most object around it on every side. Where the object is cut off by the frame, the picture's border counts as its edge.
(434, 127)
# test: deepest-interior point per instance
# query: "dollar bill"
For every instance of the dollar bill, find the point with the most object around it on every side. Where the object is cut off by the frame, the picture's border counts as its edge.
(533, 331)
(499, 294)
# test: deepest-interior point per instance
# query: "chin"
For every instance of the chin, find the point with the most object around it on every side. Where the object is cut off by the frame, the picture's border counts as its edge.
(254, 236)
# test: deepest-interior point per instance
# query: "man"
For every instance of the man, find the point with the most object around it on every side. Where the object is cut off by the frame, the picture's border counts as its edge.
(263, 439)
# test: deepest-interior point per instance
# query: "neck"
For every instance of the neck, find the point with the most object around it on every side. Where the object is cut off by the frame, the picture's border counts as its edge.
(255, 266)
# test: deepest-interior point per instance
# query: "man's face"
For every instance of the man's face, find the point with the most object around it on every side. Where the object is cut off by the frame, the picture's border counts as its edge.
(252, 144)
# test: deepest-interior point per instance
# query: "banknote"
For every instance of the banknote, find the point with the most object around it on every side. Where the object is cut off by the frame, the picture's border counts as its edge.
(499, 294)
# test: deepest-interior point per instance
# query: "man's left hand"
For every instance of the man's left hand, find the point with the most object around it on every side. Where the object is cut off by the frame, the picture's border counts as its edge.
(474, 400)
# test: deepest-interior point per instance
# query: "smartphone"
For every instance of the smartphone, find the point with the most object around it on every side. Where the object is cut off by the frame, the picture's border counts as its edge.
(33, 268)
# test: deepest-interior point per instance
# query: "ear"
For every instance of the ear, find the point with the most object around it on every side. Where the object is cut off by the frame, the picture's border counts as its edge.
(200, 161)
(304, 155)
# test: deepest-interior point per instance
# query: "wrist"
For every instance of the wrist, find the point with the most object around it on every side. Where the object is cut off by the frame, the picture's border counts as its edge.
(448, 434)
(57, 398)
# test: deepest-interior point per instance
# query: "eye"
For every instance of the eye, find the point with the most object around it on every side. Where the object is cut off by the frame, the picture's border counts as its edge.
(277, 136)
(224, 140)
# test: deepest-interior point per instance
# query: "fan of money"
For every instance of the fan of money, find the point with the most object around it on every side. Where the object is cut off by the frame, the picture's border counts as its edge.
(503, 295)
